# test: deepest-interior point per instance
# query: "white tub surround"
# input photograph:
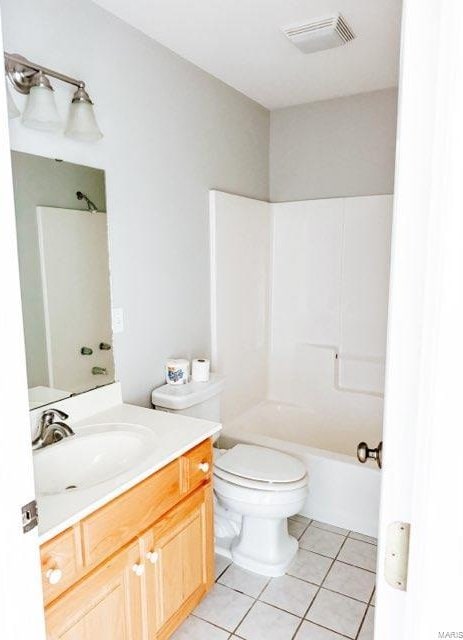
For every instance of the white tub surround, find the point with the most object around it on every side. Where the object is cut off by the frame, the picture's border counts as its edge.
(240, 238)
(165, 436)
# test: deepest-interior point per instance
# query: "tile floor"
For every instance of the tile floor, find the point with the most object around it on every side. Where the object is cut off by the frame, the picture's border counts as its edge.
(326, 594)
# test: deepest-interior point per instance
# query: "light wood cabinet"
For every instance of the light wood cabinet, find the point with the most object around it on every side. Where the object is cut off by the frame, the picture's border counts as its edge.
(62, 554)
(107, 604)
(145, 589)
(179, 567)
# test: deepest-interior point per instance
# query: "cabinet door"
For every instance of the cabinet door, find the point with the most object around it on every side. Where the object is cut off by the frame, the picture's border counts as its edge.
(179, 568)
(106, 605)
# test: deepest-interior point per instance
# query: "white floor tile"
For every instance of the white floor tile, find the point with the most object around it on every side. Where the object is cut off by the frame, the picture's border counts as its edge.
(350, 581)
(309, 566)
(321, 541)
(224, 607)
(196, 629)
(362, 537)
(264, 622)
(290, 594)
(336, 612)
(309, 631)
(367, 630)
(221, 563)
(245, 581)
(296, 528)
(329, 527)
(299, 518)
(361, 554)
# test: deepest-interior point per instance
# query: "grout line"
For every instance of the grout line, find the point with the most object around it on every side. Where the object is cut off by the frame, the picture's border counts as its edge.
(195, 615)
(373, 544)
(339, 593)
(365, 614)
(356, 566)
(221, 574)
(244, 617)
(316, 525)
(298, 538)
(320, 626)
(336, 557)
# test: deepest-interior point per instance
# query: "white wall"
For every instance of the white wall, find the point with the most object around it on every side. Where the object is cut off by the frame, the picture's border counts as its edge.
(172, 132)
(240, 262)
(334, 148)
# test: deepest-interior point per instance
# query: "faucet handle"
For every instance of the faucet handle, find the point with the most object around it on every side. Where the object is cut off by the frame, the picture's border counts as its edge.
(49, 416)
(46, 420)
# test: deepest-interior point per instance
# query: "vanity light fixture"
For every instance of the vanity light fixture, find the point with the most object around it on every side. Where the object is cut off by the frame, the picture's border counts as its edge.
(82, 124)
(41, 113)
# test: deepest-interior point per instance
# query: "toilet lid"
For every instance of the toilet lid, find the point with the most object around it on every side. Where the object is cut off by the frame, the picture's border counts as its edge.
(261, 464)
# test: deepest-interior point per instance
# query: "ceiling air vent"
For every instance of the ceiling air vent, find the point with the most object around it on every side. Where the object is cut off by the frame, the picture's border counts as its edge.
(319, 34)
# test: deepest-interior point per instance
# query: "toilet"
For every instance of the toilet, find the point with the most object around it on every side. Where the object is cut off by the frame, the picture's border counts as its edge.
(256, 488)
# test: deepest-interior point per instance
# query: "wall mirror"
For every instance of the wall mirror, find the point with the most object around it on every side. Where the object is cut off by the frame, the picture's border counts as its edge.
(62, 236)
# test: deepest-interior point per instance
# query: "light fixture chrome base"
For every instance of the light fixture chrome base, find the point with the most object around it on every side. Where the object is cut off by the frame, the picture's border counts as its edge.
(20, 75)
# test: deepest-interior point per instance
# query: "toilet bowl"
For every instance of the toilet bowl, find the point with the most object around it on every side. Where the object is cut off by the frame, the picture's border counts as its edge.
(255, 489)
(264, 487)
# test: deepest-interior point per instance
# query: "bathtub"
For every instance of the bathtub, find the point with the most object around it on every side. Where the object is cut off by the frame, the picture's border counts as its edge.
(342, 492)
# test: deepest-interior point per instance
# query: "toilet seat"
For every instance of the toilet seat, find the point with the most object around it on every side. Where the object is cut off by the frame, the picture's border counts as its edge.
(258, 484)
(260, 468)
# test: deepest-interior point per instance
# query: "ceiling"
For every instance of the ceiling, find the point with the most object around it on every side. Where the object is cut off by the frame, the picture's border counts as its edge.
(240, 42)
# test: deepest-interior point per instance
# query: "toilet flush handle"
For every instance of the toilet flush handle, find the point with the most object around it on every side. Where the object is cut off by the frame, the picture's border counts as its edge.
(203, 466)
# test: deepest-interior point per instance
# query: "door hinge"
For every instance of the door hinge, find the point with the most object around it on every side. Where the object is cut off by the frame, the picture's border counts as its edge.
(396, 558)
(30, 516)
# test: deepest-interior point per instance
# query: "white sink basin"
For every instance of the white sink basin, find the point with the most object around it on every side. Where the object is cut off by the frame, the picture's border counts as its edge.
(96, 454)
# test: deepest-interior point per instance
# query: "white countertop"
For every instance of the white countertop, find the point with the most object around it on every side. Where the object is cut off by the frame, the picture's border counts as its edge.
(174, 435)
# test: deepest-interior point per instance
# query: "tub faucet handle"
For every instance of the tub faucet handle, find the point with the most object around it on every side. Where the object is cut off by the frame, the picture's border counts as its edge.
(364, 453)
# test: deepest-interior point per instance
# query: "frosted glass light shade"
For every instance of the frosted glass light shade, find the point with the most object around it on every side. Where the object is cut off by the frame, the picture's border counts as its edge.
(41, 112)
(13, 111)
(82, 124)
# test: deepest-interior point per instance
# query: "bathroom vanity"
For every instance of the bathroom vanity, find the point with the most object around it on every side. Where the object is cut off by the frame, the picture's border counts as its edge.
(136, 567)
(130, 556)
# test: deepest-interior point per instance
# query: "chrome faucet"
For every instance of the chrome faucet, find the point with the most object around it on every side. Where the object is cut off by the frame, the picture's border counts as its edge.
(49, 430)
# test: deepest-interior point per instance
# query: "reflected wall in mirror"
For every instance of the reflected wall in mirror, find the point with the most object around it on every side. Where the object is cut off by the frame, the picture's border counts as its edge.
(64, 273)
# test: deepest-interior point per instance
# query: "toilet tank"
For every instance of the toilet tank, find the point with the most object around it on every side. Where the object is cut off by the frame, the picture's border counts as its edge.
(195, 399)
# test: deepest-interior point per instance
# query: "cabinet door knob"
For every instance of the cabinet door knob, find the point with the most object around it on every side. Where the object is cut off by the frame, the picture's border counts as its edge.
(138, 569)
(203, 466)
(152, 556)
(54, 575)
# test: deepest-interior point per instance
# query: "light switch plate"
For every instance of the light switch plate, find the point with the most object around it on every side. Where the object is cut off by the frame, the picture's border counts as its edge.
(118, 319)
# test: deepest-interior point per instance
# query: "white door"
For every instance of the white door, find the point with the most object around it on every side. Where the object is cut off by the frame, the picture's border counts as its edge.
(423, 470)
(21, 609)
(75, 279)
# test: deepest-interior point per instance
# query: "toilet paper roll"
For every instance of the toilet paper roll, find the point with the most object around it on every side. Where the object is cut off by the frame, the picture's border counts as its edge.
(177, 371)
(200, 370)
